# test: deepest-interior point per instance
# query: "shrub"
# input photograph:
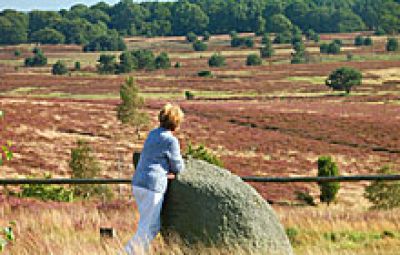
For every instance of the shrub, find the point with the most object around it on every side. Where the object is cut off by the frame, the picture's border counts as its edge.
(331, 48)
(128, 111)
(204, 73)
(189, 95)
(392, 44)
(338, 42)
(177, 65)
(384, 195)
(47, 192)
(329, 190)
(77, 66)
(292, 233)
(298, 56)
(191, 37)
(106, 43)
(162, 61)
(145, 59)
(59, 68)
(84, 165)
(359, 40)
(344, 78)
(206, 36)
(305, 197)
(216, 60)
(253, 60)
(199, 46)
(368, 41)
(284, 37)
(107, 64)
(202, 153)
(242, 42)
(249, 42)
(17, 53)
(39, 59)
(323, 48)
(267, 51)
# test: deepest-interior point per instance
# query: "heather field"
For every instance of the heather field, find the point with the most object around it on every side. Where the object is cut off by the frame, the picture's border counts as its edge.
(270, 120)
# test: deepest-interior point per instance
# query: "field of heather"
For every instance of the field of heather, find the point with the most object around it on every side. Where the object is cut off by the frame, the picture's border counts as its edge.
(270, 120)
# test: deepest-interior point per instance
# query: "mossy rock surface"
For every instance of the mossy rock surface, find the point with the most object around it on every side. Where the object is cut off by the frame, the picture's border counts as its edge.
(209, 205)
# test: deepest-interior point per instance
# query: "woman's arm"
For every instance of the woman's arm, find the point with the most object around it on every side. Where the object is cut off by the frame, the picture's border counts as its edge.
(175, 157)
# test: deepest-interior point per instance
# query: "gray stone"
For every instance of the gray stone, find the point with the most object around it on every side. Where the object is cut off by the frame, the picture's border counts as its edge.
(211, 206)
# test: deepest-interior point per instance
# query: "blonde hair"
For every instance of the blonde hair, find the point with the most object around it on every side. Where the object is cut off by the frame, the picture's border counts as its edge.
(171, 116)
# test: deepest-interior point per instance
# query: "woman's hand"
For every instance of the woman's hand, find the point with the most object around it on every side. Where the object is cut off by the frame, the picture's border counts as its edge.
(171, 176)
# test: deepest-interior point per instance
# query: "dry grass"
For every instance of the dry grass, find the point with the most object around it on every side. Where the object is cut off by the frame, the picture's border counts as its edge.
(61, 228)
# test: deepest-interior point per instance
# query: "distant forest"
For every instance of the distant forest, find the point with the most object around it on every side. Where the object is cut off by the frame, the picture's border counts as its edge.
(82, 24)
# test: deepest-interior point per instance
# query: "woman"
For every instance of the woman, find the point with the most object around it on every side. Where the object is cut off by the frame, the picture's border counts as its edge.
(159, 161)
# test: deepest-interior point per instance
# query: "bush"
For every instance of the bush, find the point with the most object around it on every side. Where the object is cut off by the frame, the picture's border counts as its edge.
(107, 64)
(191, 37)
(216, 60)
(177, 65)
(106, 43)
(206, 36)
(338, 42)
(306, 198)
(344, 79)
(145, 59)
(253, 60)
(204, 73)
(329, 190)
(189, 95)
(59, 68)
(84, 165)
(249, 42)
(162, 61)
(368, 41)
(392, 44)
(384, 195)
(199, 46)
(242, 42)
(17, 53)
(331, 48)
(202, 153)
(77, 66)
(323, 48)
(39, 59)
(359, 40)
(47, 192)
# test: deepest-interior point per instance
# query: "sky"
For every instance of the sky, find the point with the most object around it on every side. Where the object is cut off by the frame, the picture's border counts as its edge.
(28, 5)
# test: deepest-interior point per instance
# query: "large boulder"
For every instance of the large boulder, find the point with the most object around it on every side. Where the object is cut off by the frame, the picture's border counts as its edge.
(211, 206)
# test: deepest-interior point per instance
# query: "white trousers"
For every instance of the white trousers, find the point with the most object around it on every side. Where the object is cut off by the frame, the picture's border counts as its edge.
(149, 204)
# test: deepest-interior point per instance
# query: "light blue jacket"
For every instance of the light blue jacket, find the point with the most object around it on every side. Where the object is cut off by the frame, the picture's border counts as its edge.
(160, 155)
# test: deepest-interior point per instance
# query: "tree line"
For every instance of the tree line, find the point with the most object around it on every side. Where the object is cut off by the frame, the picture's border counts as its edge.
(83, 24)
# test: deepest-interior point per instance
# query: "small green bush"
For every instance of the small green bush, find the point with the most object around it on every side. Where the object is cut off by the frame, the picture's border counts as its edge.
(39, 59)
(162, 61)
(77, 66)
(84, 165)
(306, 198)
(368, 41)
(206, 36)
(59, 68)
(292, 233)
(384, 195)
(253, 60)
(329, 190)
(199, 46)
(17, 53)
(204, 73)
(47, 192)
(202, 153)
(189, 95)
(216, 60)
(177, 65)
(191, 37)
(359, 40)
(392, 44)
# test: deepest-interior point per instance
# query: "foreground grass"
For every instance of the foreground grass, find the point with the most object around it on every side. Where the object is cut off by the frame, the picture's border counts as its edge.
(62, 228)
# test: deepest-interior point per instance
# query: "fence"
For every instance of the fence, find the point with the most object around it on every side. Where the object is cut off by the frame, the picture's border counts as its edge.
(354, 178)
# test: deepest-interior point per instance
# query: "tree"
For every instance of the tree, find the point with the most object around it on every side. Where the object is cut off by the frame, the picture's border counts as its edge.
(129, 110)
(331, 48)
(216, 60)
(162, 61)
(48, 36)
(191, 37)
(59, 68)
(327, 167)
(145, 59)
(206, 36)
(344, 78)
(107, 64)
(267, 51)
(284, 37)
(199, 46)
(384, 195)
(106, 43)
(13, 27)
(298, 56)
(39, 59)
(127, 63)
(188, 17)
(253, 60)
(278, 24)
(392, 44)
(249, 42)
(359, 41)
(312, 35)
